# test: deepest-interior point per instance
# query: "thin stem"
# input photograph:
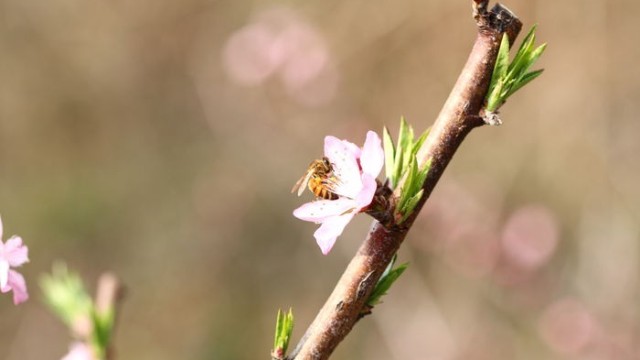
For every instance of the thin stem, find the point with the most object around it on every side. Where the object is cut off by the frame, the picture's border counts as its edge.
(457, 118)
(109, 295)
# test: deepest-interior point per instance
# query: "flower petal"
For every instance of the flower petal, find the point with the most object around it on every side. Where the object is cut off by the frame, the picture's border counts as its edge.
(18, 285)
(14, 252)
(330, 229)
(355, 149)
(372, 158)
(4, 273)
(368, 191)
(319, 211)
(345, 166)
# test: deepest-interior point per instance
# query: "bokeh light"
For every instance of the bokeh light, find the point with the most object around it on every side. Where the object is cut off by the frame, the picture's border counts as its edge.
(278, 42)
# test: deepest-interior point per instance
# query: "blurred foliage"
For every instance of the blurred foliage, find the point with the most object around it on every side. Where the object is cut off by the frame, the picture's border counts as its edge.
(67, 298)
(65, 294)
(160, 140)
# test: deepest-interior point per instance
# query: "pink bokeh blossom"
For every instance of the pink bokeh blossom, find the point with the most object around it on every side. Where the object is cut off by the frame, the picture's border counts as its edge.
(356, 170)
(279, 43)
(567, 326)
(530, 237)
(13, 254)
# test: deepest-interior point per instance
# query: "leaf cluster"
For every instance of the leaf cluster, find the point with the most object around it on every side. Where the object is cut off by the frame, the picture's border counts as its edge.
(401, 162)
(284, 328)
(65, 294)
(507, 78)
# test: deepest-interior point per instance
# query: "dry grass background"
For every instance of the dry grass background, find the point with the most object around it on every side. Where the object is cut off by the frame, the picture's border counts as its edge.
(130, 141)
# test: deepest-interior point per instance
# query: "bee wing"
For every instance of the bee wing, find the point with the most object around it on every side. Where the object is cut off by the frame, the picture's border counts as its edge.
(297, 185)
(301, 184)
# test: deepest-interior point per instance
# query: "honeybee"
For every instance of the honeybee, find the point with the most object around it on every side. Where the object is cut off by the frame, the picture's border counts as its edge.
(319, 179)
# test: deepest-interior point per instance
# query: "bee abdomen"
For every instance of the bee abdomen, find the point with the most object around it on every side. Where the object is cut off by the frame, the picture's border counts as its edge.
(328, 195)
(323, 192)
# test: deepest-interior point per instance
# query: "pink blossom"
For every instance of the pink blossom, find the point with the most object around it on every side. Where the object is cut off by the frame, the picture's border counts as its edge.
(355, 170)
(13, 254)
(79, 351)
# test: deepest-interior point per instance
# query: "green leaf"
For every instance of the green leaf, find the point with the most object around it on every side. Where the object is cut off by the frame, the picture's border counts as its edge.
(284, 328)
(533, 57)
(408, 188)
(521, 56)
(494, 100)
(389, 156)
(416, 147)
(411, 205)
(416, 184)
(408, 151)
(529, 59)
(528, 40)
(405, 139)
(412, 189)
(418, 143)
(502, 62)
(405, 135)
(535, 54)
(422, 174)
(397, 161)
(389, 267)
(527, 78)
(412, 193)
(279, 327)
(386, 281)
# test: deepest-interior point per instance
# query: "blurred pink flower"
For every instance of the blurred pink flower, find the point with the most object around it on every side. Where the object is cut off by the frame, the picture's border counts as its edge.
(249, 55)
(530, 237)
(13, 254)
(280, 43)
(355, 170)
(79, 351)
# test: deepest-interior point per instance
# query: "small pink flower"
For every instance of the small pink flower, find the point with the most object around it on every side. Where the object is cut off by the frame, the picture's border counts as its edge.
(356, 170)
(13, 254)
(79, 351)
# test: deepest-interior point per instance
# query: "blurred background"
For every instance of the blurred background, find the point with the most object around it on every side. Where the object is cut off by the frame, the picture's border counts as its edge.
(160, 139)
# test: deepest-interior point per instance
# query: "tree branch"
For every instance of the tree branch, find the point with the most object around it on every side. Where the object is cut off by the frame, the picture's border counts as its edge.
(457, 118)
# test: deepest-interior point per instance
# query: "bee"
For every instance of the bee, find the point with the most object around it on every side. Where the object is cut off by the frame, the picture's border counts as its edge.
(319, 179)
